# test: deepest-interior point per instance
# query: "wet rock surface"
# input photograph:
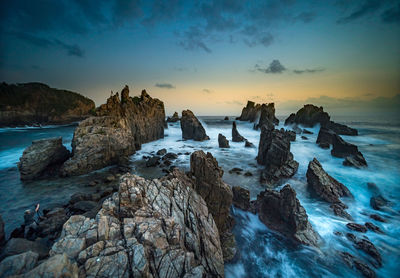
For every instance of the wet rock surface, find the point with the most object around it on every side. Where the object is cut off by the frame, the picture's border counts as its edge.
(192, 128)
(350, 152)
(236, 137)
(356, 263)
(43, 157)
(325, 137)
(222, 141)
(241, 197)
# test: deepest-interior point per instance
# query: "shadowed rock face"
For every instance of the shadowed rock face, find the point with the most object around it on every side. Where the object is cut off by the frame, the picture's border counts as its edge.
(236, 137)
(119, 128)
(350, 152)
(309, 116)
(174, 118)
(282, 211)
(222, 141)
(264, 112)
(191, 127)
(325, 137)
(45, 155)
(250, 112)
(36, 103)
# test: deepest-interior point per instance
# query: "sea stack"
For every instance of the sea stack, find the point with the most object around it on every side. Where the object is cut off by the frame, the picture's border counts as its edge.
(191, 127)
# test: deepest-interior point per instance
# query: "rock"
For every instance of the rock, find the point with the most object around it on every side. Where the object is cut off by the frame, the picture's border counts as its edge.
(282, 212)
(82, 206)
(153, 161)
(192, 128)
(378, 202)
(305, 131)
(226, 118)
(241, 197)
(174, 118)
(297, 129)
(248, 144)
(2, 233)
(51, 224)
(248, 174)
(161, 152)
(304, 138)
(373, 188)
(373, 228)
(309, 115)
(325, 137)
(45, 155)
(222, 141)
(17, 246)
(236, 170)
(349, 151)
(356, 227)
(56, 266)
(339, 209)
(37, 104)
(267, 114)
(236, 137)
(369, 248)
(110, 178)
(170, 156)
(117, 131)
(378, 218)
(352, 261)
(274, 153)
(18, 264)
(341, 129)
(291, 135)
(250, 112)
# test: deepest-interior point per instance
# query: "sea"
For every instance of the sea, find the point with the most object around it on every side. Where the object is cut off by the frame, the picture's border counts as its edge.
(262, 252)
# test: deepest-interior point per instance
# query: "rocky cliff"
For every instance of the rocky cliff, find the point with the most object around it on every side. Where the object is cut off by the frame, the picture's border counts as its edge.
(119, 128)
(36, 103)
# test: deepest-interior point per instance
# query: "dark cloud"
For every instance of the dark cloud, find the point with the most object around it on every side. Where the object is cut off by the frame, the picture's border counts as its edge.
(193, 39)
(367, 7)
(126, 10)
(308, 71)
(274, 67)
(391, 15)
(162, 11)
(207, 91)
(265, 39)
(72, 49)
(165, 85)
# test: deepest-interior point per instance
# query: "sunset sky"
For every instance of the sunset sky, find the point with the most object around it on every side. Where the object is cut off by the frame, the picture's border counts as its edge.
(209, 56)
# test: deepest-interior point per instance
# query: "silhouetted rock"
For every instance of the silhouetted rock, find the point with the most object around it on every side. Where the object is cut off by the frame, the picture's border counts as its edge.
(373, 227)
(348, 151)
(261, 112)
(267, 114)
(161, 152)
(118, 130)
(226, 118)
(309, 116)
(369, 248)
(352, 261)
(236, 137)
(325, 137)
(44, 156)
(241, 197)
(248, 144)
(291, 135)
(305, 131)
(282, 211)
(250, 112)
(304, 138)
(38, 104)
(222, 141)
(191, 127)
(174, 118)
(153, 161)
(274, 153)
(378, 218)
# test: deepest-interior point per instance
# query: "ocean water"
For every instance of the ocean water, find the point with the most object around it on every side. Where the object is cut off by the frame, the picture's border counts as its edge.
(263, 252)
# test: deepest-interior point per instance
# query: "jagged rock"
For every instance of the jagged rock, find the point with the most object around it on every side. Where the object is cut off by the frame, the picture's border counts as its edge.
(174, 118)
(309, 116)
(325, 137)
(241, 197)
(44, 156)
(357, 227)
(304, 138)
(56, 266)
(82, 206)
(222, 141)
(352, 261)
(267, 114)
(248, 144)
(373, 228)
(18, 264)
(52, 223)
(2, 233)
(369, 248)
(236, 137)
(236, 170)
(282, 211)
(117, 131)
(170, 156)
(274, 153)
(192, 128)
(17, 246)
(348, 151)
(378, 202)
(161, 152)
(341, 129)
(250, 112)
(339, 209)
(38, 104)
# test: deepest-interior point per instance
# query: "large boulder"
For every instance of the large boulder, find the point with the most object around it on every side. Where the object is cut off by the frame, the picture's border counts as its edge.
(236, 137)
(222, 141)
(44, 156)
(341, 129)
(343, 149)
(18, 264)
(281, 211)
(118, 130)
(191, 127)
(261, 112)
(174, 118)
(274, 153)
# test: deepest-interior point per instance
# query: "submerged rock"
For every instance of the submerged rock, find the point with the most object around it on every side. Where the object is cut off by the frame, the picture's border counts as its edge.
(378, 202)
(236, 137)
(44, 156)
(352, 261)
(357, 227)
(282, 211)
(192, 128)
(17, 246)
(222, 141)
(348, 151)
(174, 118)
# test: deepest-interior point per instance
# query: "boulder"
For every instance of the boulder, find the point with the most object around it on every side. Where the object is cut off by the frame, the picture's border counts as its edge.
(241, 197)
(378, 202)
(264, 112)
(274, 153)
(309, 116)
(306, 131)
(2, 232)
(119, 128)
(372, 227)
(236, 137)
(153, 161)
(325, 137)
(170, 156)
(222, 141)
(51, 224)
(174, 118)
(267, 114)
(281, 211)
(44, 156)
(377, 217)
(56, 266)
(291, 135)
(363, 268)
(18, 264)
(357, 227)
(348, 151)
(17, 246)
(369, 248)
(192, 128)
(161, 152)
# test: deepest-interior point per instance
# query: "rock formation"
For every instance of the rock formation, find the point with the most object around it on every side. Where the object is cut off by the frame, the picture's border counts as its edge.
(174, 118)
(191, 127)
(241, 197)
(327, 188)
(274, 153)
(226, 118)
(341, 129)
(348, 151)
(236, 137)
(267, 114)
(118, 130)
(325, 137)
(261, 112)
(222, 141)
(250, 113)
(36, 103)
(282, 211)
(43, 156)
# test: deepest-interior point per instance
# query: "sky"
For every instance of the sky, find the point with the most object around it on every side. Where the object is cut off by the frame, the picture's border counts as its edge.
(210, 56)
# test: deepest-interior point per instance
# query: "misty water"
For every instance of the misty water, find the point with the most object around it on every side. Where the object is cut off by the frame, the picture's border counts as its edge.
(263, 252)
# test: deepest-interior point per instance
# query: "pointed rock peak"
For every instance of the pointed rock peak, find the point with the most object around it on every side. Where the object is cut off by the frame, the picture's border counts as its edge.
(125, 94)
(145, 94)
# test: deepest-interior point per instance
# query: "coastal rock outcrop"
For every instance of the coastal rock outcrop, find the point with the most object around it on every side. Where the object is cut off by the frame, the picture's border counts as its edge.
(267, 114)
(18, 264)
(38, 104)
(343, 149)
(191, 127)
(236, 137)
(119, 129)
(44, 155)
(325, 137)
(282, 211)
(250, 113)
(241, 197)
(174, 118)
(274, 153)
(261, 112)
(222, 141)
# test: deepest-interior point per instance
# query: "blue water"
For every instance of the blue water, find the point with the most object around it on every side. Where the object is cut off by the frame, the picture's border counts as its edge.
(263, 253)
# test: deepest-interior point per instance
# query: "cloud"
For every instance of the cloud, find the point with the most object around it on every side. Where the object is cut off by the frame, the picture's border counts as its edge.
(207, 91)
(165, 85)
(193, 39)
(162, 11)
(274, 67)
(306, 17)
(368, 7)
(72, 49)
(391, 15)
(308, 71)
